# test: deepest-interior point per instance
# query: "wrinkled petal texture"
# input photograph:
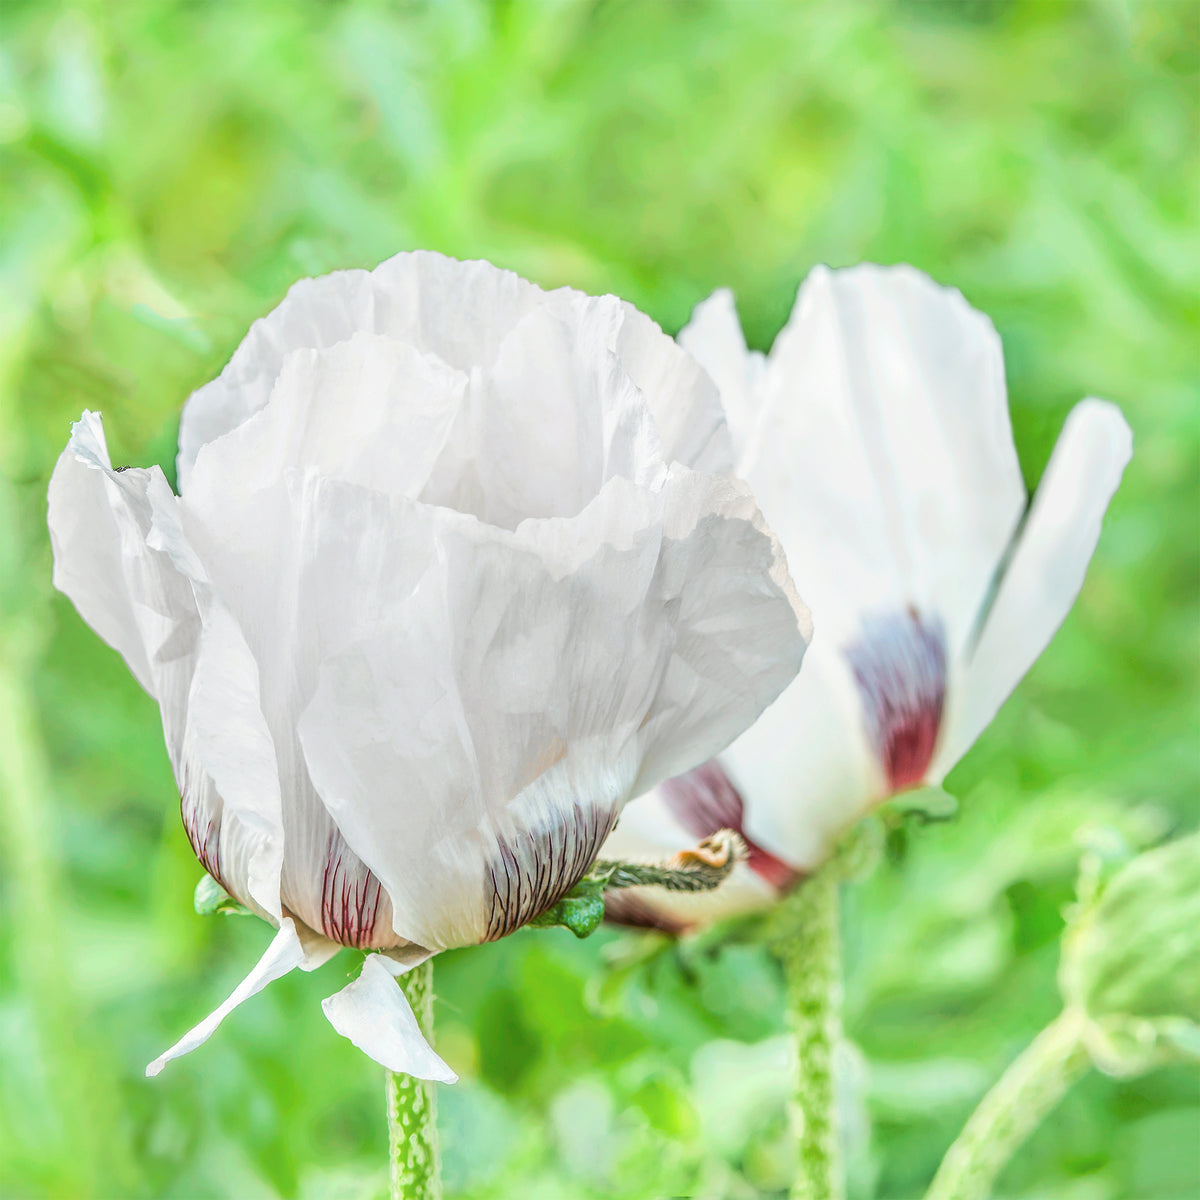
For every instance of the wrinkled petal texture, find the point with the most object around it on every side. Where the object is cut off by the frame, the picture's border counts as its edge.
(120, 555)
(876, 437)
(456, 568)
(460, 313)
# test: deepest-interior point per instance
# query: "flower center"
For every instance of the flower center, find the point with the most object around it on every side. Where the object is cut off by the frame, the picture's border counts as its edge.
(899, 663)
(704, 800)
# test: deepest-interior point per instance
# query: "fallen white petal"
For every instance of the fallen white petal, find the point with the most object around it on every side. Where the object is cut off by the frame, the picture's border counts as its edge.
(374, 1013)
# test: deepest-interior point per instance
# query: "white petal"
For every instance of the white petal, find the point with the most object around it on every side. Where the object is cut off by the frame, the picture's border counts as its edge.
(502, 700)
(471, 711)
(547, 425)
(226, 764)
(1046, 570)
(370, 410)
(714, 338)
(806, 768)
(129, 593)
(374, 1013)
(284, 954)
(461, 312)
(122, 556)
(683, 400)
(883, 457)
(740, 629)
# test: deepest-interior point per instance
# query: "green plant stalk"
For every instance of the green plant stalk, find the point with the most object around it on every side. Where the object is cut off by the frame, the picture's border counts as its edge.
(809, 946)
(415, 1169)
(1022, 1098)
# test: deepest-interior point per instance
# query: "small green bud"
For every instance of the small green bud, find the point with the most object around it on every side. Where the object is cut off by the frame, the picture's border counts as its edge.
(1131, 960)
(210, 897)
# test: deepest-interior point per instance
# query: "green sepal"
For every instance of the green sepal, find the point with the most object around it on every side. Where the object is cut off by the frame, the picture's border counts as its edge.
(580, 912)
(210, 897)
(927, 804)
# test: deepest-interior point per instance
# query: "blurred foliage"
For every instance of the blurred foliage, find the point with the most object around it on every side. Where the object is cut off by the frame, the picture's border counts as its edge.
(168, 168)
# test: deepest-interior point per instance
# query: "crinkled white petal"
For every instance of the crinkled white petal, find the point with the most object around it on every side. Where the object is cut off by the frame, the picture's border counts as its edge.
(1045, 573)
(683, 400)
(122, 556)
(481, 673)
(740, 629)
(374, 1013)
(460, 312)
(515, 687)
(129, 593)
(369, 410)
(284, 954)
(546, 426)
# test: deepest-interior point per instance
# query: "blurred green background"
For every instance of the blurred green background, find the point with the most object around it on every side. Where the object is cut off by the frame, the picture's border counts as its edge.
(167, 169)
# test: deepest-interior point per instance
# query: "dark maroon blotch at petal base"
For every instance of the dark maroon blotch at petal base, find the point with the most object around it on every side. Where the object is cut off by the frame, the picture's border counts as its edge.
(899, 663)
(704, 800)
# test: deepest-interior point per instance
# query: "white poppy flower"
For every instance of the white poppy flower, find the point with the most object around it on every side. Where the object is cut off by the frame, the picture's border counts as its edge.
(456, 568)
(876, 438)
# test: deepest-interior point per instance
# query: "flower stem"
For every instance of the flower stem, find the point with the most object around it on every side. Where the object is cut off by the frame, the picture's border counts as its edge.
(1024, 1095)
(809, 946)
(412, 1107)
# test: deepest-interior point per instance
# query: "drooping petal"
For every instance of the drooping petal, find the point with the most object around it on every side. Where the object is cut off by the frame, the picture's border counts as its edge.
(284, 954)
(1046, 570)
(461, 313)
(374, 1013)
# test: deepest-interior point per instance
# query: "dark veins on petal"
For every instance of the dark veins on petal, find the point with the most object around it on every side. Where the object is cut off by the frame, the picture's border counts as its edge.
(535, 868)
(202, 828)
(899, 663)
(704, 800)
(351, 897)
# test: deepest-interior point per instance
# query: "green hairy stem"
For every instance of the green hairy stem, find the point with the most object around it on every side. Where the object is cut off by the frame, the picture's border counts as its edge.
(412, 1107)
(1025, 1094)
(808, 943)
